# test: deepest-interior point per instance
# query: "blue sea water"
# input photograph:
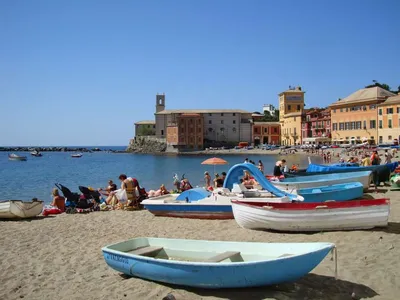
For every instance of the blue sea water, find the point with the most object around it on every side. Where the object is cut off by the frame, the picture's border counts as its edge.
(37, 176)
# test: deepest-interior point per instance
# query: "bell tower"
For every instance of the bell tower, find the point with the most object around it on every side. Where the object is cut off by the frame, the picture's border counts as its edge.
(160, 102)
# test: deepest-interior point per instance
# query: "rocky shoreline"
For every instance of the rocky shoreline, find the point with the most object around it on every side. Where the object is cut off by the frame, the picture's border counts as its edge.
(57, 149)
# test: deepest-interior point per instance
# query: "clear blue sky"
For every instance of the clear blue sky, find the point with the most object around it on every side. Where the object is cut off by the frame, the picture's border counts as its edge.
(82, 72)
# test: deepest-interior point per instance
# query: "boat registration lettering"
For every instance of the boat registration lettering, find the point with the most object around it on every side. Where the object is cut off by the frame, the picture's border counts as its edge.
(117, 258)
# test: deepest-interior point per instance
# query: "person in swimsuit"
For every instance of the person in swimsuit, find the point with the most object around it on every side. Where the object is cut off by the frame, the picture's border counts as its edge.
(58, 201)
(111, 187)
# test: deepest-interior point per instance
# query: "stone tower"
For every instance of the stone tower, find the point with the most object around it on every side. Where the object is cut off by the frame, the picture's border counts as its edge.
(160, 102)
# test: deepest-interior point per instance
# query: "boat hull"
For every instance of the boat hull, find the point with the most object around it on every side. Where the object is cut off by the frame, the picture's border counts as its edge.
(17, 209)
(336, 192)
(214, 275)
(19, 158)
(329, 216)
(297, 183)
(191, 211)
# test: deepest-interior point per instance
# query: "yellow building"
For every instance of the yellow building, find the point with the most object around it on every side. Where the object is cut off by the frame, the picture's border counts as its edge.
(354, 119)
(389, 120)
(291, 106)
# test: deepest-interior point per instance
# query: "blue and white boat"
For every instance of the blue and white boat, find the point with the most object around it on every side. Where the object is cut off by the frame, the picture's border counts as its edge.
(336, 192)
(347, 168)
(214, 264)
(297, 183)
(199, 203)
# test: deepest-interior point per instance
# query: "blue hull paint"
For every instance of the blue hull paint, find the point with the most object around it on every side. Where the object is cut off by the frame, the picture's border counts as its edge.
(342, 167)
(217, 275)
(337, 192)
(191, 211)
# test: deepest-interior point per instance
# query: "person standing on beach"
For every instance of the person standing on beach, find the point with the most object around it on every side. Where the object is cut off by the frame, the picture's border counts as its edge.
(388, 157)
(278, 167)
(261, 166)
(207, 179)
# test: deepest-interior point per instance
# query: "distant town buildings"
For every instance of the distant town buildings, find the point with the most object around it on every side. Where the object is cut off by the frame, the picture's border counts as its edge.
(291, 105)
(389, 120)
(266, 133)
(355, 118)
(368, 115)
(269, 108)
(316, 126)
(145, 128)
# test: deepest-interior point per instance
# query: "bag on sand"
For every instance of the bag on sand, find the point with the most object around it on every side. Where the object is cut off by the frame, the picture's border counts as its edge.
(121, 195)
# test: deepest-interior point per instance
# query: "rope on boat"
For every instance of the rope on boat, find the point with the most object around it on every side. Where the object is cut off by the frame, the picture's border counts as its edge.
(334, 253)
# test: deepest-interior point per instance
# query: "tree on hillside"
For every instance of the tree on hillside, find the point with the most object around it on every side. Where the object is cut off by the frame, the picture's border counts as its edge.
(268, 117)
(383, 86)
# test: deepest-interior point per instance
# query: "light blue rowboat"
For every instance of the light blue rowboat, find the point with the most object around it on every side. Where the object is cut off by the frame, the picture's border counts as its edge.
(336, 192)
(296, 183)
(214, 264)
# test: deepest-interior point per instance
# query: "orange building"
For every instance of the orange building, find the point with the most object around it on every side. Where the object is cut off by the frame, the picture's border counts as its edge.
(389, 120)
(354, 119)
(186, 132)
(266, 133)
(291, 106)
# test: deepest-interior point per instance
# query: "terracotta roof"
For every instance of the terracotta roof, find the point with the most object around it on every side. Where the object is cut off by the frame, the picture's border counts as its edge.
(367, 94)
(391, 100)
(201, 111)
(148, 122)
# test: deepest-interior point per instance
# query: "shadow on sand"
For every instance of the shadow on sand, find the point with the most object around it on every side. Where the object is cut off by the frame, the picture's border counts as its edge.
(312, 286)
(37, 218)
(392, 227)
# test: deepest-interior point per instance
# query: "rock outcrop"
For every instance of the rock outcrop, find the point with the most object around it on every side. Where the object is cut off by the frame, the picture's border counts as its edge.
(147, 145)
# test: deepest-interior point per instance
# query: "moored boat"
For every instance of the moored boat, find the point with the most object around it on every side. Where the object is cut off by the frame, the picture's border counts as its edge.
(214, 264)
(296, 183)
(18, 209)
(36, 153)
(336, 192)
(16, 157)
(328, 216)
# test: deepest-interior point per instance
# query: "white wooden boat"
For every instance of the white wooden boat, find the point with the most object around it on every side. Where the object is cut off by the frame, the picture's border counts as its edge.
(18, 209)
(16, 157)
(214, 264)
(345, 215)
(296, 183)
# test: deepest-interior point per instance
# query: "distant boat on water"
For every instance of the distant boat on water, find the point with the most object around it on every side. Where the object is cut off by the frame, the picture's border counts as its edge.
(77, 155)
(36, 153)
(14, 156)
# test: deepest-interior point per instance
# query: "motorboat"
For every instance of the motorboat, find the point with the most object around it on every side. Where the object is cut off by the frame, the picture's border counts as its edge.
(78, 155)
(16, 157)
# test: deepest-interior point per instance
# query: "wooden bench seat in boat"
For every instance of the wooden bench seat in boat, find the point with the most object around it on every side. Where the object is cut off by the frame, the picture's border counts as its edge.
(222, 256)
(147, 251)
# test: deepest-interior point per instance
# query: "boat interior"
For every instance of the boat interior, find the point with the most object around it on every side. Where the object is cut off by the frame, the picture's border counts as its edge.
(211, 251)
(220, 195)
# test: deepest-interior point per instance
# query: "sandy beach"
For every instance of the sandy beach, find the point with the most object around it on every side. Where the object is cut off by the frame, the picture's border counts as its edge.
(60, 258)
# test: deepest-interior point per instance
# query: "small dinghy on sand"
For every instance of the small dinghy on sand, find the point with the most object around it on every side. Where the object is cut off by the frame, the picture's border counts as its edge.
(18, 209)
(214, 264)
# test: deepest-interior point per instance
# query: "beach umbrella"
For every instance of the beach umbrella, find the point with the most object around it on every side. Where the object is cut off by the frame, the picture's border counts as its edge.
(214, 161)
